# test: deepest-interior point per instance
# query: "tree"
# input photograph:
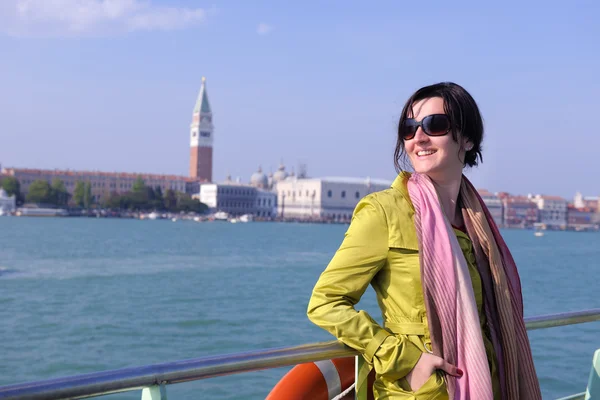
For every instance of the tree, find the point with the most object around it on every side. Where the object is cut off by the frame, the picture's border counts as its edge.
(159, 202)
(60, 195)
(186, 203)
(40, 191)
(113, 201)
(139, 185)
(139, 196)
(88, 199)
(79, 193)
(170, 200)
(12, 186)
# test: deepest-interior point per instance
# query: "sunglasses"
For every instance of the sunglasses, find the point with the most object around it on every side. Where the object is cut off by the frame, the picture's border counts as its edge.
(432, 125)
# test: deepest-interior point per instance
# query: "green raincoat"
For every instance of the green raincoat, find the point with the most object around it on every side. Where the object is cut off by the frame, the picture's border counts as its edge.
(381, 248)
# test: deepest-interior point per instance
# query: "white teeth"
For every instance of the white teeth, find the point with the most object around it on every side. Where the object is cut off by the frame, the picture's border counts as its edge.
(425, 152)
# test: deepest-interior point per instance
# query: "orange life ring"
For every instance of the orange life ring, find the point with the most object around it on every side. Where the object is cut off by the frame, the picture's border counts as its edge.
(319, 380)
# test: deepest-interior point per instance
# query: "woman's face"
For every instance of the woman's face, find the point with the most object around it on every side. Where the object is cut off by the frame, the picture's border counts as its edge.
(439, 157)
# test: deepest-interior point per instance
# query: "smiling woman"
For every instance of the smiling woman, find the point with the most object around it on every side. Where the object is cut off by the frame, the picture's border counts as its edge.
(432, 252)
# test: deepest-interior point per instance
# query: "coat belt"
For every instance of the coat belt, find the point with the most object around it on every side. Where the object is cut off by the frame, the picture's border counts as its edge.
(406, 328)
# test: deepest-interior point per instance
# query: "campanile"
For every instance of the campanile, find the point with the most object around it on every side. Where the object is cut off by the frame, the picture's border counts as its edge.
(201, 138)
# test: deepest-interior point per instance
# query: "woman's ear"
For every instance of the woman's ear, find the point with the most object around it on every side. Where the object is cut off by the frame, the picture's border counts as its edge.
(467, 145)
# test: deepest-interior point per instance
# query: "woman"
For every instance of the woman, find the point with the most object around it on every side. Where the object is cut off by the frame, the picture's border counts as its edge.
(446, 284)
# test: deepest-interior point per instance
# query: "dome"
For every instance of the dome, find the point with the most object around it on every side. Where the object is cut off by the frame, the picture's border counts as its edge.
(259, 179)
(280, 174)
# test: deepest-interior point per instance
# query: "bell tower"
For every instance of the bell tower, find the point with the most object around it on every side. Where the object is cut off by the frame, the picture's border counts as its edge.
(201, 138)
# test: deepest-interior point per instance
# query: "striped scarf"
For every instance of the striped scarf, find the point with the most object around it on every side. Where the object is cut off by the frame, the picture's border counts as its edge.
(452, 314)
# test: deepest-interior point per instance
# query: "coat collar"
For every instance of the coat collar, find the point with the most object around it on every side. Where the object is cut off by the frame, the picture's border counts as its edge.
(400, 183)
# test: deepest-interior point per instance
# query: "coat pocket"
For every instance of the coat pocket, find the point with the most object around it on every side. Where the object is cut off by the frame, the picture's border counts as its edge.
(433, 389)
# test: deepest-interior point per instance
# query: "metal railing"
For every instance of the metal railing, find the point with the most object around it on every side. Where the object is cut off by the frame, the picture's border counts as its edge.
(153, 378)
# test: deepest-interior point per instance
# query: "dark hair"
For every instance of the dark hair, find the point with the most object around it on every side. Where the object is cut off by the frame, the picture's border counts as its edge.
(462, 111)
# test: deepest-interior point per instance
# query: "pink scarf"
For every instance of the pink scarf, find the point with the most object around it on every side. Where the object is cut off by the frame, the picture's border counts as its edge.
(452, 314)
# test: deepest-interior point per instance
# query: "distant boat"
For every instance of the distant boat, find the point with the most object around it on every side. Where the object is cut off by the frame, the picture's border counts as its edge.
(153, 216)
(221, 216)
(539, 227)
(42, 212)
(246, 218)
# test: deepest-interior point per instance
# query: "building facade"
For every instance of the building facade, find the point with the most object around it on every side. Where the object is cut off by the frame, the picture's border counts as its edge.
(591, 202)
(330, 199)
(519, 212)
(552, 211)
(580, 218)
(102, 183)
(494, 205)
(201, 138)
(266, 204)
(237, 199)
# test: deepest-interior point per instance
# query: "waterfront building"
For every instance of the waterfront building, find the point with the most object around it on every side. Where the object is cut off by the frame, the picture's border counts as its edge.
(591, 202)
(201, 138)
(494, 205)
(552, 211)
(330, 198)
(8, 204)
(519, 211)
(238, 199)
(580, 218)
(102, 183)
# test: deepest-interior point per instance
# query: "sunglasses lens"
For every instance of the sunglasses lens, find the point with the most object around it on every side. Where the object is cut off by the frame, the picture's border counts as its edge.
(408, 128)
(436, 125)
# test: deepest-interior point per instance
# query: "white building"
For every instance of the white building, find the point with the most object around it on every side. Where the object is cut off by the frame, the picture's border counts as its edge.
(8, 204)
(580, 201)
(266, 204)
(329, 198)
(236, 199)
(552, 211)
(494, 205)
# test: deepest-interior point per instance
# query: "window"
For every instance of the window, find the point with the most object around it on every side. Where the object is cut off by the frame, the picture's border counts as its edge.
(343, 194)
(357, 195)
(329, 193)
(205, 134)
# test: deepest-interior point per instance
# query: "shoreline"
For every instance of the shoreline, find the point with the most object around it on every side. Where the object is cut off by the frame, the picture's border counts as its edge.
(203, 218)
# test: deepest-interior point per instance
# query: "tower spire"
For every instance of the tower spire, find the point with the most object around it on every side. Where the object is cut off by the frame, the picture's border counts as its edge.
(202, 104)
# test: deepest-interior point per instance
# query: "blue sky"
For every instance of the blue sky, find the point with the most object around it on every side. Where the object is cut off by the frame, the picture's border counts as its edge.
(110, 85)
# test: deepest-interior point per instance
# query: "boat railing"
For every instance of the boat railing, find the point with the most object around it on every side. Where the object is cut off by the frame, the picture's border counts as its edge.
(153, 379)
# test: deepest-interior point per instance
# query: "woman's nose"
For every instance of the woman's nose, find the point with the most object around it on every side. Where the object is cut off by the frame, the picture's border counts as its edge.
(421, 136)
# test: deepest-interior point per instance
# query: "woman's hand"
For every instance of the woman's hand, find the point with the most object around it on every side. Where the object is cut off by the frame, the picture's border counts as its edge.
(426, 367)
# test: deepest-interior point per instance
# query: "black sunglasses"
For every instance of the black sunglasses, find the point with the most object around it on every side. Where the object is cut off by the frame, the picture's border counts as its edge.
(432, 125)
